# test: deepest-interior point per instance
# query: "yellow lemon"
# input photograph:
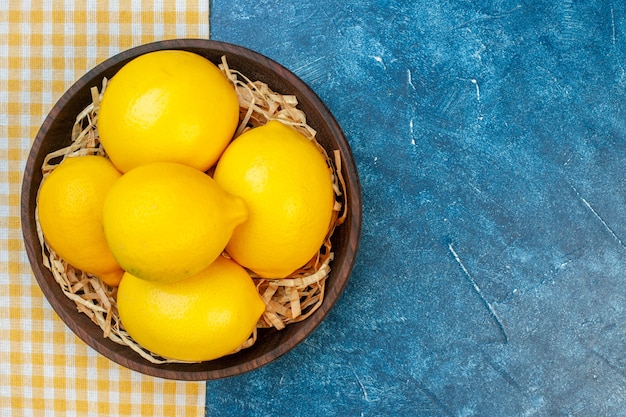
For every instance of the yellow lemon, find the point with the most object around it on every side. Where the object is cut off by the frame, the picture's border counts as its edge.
(70, 214)
(168, 105)
(287, 186)
(200, 318)
(166, 221)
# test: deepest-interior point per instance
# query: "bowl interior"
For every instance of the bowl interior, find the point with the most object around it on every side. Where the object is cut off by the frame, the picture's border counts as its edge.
(55, 134)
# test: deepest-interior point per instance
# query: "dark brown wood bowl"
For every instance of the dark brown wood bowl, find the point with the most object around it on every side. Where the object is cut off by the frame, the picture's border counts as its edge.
(55, 134)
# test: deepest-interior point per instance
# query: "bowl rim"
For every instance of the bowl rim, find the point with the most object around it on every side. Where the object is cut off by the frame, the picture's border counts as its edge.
(102, 345)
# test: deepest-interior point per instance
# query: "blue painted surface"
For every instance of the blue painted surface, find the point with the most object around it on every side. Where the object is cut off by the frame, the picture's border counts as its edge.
(491, 142)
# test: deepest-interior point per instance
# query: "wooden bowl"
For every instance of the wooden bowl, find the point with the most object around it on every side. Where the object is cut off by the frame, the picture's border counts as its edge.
(55, 134)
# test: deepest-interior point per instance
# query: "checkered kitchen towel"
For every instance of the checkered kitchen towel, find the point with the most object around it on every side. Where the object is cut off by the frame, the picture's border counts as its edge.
(45, 46)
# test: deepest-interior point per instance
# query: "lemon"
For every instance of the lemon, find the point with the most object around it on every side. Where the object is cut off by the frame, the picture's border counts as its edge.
(70, 205)
(167, 105)
(286, 185)
(200, 318)
(166, 221)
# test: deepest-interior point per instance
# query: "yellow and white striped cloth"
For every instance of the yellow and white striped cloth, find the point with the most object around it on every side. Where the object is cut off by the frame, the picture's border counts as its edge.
(45, 46)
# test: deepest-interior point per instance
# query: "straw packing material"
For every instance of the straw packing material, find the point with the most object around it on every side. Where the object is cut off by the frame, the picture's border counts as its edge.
(287, 300)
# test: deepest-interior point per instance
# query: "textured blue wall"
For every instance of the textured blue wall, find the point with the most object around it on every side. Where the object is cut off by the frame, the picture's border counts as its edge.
(491, 142)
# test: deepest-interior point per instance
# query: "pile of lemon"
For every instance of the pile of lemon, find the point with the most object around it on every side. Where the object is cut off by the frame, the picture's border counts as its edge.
(175, 194)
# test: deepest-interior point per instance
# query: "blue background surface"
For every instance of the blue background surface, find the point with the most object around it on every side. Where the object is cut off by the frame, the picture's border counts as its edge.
(490, 139)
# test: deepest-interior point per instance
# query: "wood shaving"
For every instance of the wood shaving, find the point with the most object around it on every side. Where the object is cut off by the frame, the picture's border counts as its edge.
(288, 300)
